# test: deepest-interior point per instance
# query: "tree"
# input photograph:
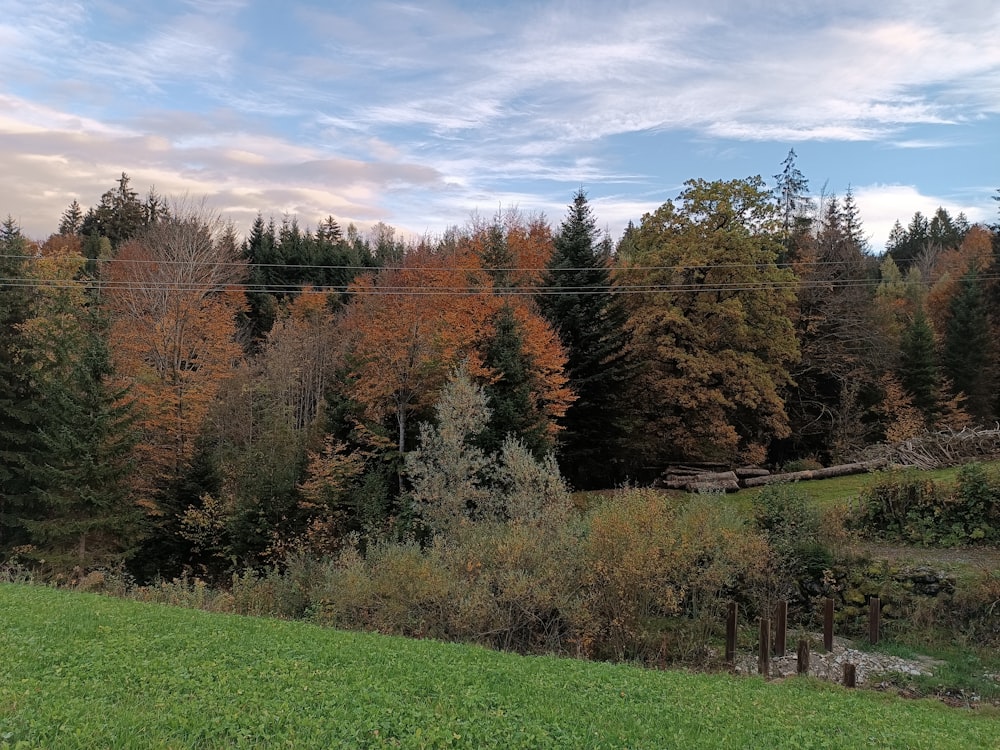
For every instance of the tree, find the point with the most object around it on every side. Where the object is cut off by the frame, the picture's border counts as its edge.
(918, 371)
(794, 203)
(84, 515)
(712, 331)
(72, 219)
(119, 216)
(447, 470)
(406, 327)
(967, 356)
(837, 378)
(511, 390)
(578, 299)
(20, 415)
(173, 300)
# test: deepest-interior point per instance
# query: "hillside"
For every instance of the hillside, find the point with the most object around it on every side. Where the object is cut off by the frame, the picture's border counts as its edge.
(84, 671)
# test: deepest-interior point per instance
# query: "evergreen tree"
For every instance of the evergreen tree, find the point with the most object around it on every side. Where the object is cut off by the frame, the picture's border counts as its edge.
(72, 219)
(967, 357)
(119, 217)
(794, 204)
(20, 412)
(513, 411)
(262, 255)
(919, 372)
(85, 515)
(579, 301)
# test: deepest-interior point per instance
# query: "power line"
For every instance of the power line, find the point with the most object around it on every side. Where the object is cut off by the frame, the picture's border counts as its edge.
(138, 285)
(435, 269)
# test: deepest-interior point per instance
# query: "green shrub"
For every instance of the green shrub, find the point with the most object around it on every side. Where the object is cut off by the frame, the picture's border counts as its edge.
(785, 514)
(909, 507)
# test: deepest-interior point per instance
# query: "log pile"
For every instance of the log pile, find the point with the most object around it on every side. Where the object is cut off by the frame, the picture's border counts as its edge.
(708, 478)
(716, 479)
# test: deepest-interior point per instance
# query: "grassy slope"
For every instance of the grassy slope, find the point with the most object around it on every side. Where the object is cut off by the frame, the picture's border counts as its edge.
(82, 671)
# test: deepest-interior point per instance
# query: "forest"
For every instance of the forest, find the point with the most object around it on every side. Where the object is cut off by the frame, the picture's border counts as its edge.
(174, 396)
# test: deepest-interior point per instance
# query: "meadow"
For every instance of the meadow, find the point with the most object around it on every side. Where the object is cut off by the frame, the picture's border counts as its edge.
(87, 671)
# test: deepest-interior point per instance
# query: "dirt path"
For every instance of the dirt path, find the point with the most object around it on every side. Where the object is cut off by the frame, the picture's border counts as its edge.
(987, 558)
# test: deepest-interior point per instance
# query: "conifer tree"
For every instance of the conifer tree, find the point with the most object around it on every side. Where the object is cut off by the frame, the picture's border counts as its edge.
(20, 415)
(579, 301)
(513, 411)
(967, 356)
(72, 219)
(85, 515)
(919, 372)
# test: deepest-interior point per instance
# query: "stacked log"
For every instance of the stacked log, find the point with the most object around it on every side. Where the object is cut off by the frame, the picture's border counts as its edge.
(697, 480)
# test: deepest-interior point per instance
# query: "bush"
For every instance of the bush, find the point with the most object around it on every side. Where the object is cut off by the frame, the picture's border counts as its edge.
(911, 508)
(786, 516)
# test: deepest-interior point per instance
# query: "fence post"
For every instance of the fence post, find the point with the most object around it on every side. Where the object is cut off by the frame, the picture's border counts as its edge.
(780, 628)
(802, 662)
(850, 675)
(874, 619)
(764, 648)
(731, 633)
(828, 625)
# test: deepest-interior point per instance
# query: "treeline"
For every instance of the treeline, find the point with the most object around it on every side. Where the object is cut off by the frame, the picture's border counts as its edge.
(175, 396)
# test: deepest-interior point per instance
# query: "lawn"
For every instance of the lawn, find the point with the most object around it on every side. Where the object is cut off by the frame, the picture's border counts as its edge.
(84, 671)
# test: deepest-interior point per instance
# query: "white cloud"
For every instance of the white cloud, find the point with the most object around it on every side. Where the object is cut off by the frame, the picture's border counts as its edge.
(882, 205)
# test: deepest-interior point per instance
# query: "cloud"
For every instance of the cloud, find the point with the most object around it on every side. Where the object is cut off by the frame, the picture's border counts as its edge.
(45, 169)
(881, 206)
(407, 111)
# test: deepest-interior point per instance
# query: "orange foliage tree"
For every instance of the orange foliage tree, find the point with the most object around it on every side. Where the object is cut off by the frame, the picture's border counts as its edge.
(173, 299)
(406, 327)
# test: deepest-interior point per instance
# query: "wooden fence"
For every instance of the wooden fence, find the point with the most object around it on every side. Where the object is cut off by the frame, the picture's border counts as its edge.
(771, 640)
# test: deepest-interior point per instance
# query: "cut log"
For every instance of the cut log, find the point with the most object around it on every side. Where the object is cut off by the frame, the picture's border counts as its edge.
(705, 481)
(841, 470)
(718, 485)
(746, 472)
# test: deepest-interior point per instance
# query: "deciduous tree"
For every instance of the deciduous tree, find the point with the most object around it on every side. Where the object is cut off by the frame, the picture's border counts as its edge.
(712, 327)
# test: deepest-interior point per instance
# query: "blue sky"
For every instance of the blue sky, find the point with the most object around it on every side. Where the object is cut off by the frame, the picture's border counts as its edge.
(420, 113)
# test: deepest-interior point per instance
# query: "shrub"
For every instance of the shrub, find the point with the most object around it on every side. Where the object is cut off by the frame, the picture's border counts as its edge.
(793, 527)
(908, 507)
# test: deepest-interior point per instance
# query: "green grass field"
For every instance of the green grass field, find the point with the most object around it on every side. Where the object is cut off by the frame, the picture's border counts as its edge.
(84, 671)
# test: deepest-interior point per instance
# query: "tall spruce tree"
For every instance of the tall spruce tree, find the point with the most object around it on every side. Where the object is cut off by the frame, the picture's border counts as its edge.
(967, 356)
(84, 513)
(20, 412)
(119, 217)
(513, 411)
(919, 371)
(794, 205)
(579, 300)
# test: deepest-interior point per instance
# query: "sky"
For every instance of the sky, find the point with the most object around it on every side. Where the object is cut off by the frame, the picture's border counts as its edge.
(424, 114)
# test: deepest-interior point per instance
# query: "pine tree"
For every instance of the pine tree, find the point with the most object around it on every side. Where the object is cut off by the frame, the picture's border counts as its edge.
(120, 216)
(20, 412)
(262, 255)
(794, 204)
(919, 372)
(85, 515)
(72, 219)
(579, 300)
(967, 356)
(510, 395)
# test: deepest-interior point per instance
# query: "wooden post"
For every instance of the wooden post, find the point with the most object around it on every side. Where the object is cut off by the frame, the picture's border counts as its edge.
(874, 619)
(850, 675)
(780, 628)
(731, 633)
(764, 649)
(828, 625)
(803, 656)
